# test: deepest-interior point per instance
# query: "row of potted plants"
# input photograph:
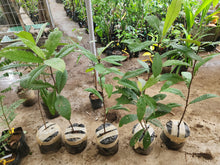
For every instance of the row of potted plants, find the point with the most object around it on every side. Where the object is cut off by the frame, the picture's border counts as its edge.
(48, 76)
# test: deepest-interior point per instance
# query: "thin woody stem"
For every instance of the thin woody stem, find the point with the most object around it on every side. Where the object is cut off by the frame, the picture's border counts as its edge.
(40, 108)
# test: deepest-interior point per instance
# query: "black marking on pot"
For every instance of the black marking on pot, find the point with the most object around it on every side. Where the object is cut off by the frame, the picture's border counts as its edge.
(169, 126)
(77, 125)
(76, 131)
(134, 128)
(102, 126)
(109, 140)
(51, 137)
(51, 124)
(187, 131)
(73, 139)
(106, 132)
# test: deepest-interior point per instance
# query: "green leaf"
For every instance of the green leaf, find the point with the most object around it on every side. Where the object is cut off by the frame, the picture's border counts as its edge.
(192, 41)
(157, 65)
(202, 6)
(10, 66)
(141, 107)
(20, 56)
(50, 102)
(136, 137)
(162, 109)
(171, 77)
(139, 46)
(102, 49)
(173, 105)
(187, 76)
(108, 88)
(144, 64)
(114, 59)
(146, 140)
(150, 102)
(174, 62)
(203, 97)
(174, 91)
(61, 79)
(115, 70)
(127, 119)
(100, 68)
(200, 63)
(64, 51)
(155, 23)
(134, 73)
(40, 32)
(215, 2)
(156, 122)
(34, 74)
(129, 84)
(151, 81)
(169, 53)
(56, 63)
(117, 107)
(63, 107)
(172, 13)
(159, 97)
(141, 83)
(124, 100)
(36, 85)
(95, 92)
(52, 42)
(25, 35)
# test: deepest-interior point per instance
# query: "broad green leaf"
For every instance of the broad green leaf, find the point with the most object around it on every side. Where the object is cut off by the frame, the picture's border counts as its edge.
(169, 53)
(155, 23)
(189, 15)
(174, 62)
(124, 100)
(129, 84)
(114, 59)
(173, 105)
(115, 70)
(215, 2)
(166, 85)
(159, 97)
(127, 119)
(61, 79)
(100, 68)
(146, 140)
(150, 102)
(187, 78)
(108, 88)
(25, 35)
(36, 85)
(89, 69)
(134, 73)
(202, 6)
(151, 81)
(139, 46)
(156, 122)
(56, 63)
(127, 92)
(144, 64)
(40, 32)
(192, 41)
(162, 109)
(34, 74)
(117, 107)
(200, 63)
(20, 56)
(136, 137)
(141, 107)
(102, 49)
(141, 83)
(172, 13)
(51, 99)
(203, 97)
(10, 66)
(174, 91)
(52, 42)
(171, 77)
(63, 107)
(157, 65)
(64, 51)
(95, 92)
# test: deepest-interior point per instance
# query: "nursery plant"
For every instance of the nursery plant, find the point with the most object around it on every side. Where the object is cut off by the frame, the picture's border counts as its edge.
(13, 146)
(106, 130)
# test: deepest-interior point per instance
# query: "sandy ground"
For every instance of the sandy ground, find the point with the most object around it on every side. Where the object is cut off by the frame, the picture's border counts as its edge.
(201, 148)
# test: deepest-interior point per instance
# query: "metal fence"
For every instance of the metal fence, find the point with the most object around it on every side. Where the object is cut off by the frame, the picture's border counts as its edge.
(19, 15)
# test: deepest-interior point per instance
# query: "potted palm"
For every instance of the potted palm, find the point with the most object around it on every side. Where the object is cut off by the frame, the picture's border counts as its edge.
(13, 146)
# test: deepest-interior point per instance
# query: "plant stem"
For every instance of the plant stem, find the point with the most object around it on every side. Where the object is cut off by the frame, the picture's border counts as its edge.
(71, 125)
(6, 120)
(51, 73)
(188, 92)
(41, 113)
(102, 90)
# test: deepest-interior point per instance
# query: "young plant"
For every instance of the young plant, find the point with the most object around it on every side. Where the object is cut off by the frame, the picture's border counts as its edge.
(148, 108)
(102, 74)
(48, 62)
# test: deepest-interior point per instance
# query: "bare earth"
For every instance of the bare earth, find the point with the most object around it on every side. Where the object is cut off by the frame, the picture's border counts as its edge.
(201, 148)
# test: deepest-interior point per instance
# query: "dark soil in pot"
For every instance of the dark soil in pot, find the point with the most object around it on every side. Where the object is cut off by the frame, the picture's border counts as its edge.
(16, 147)
(107, 143)
(95, 101)
(47, 112)
(138, 147)
(75, 141)
(49, 140)
(28, 95)
(173, 137)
